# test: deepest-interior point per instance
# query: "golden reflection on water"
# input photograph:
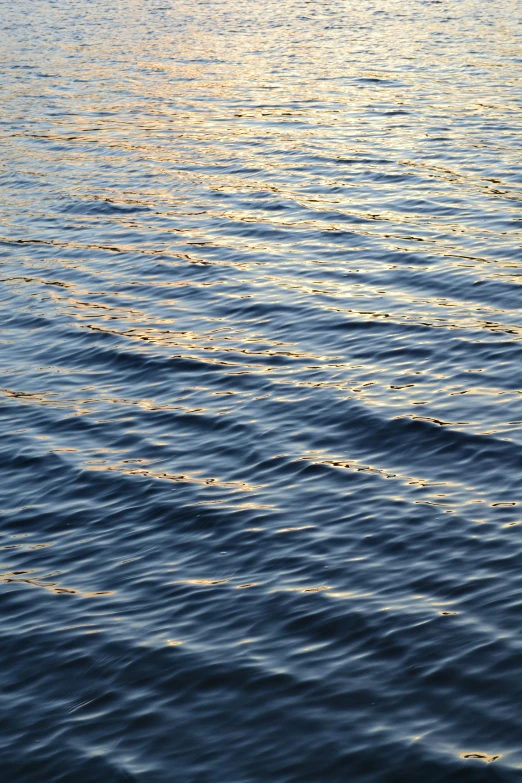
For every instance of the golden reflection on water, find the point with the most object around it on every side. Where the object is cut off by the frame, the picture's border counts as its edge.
(203, 582)
(486, 757)
(19, 577)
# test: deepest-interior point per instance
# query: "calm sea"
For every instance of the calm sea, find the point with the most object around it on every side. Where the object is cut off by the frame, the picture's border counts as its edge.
(261, 378)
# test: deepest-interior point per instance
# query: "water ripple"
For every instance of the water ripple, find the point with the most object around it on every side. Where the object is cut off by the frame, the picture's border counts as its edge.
(261, 394)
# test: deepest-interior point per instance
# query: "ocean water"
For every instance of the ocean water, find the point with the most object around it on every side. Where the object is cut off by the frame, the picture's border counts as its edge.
(261, 360)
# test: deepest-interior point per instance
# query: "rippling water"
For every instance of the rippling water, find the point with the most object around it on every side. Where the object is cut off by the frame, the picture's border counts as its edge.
(261, 434)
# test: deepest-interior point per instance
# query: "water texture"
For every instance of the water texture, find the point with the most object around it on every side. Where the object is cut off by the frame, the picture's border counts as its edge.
(261, 440)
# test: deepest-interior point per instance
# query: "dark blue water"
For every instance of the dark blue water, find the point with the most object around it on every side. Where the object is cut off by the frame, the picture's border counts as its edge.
(261, 440)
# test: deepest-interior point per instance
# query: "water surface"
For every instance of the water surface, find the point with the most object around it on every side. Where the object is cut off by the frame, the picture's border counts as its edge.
(261, 437)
